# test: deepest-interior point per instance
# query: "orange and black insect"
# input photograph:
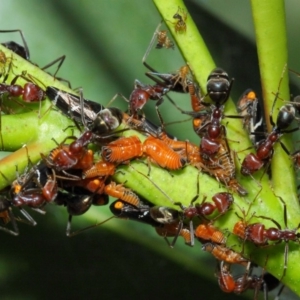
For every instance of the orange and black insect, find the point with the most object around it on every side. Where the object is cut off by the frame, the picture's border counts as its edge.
(166, 220)
(249, 108)
(92, 115)
(36, 187)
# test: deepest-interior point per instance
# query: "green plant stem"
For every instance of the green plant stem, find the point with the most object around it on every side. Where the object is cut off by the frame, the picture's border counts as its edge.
(271, 37)
(195, 52)
(35, 128)
(270, 29)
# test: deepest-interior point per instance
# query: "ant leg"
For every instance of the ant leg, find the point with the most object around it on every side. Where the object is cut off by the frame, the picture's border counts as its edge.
(22, 52)
(166, 195)
(150, 47)
(68, 229)
(177, 234)
(286, 252)
(71, 234)
(29, 220)
(61, 60)
(279, 292)
(159, 102)
(15, 230)
(176, 106)
(276, 96)
(114, 98)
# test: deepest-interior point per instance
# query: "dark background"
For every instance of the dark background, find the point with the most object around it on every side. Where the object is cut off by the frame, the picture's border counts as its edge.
(104, 42)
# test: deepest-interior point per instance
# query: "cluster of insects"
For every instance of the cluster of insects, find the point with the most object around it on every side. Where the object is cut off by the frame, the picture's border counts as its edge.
(79, 171)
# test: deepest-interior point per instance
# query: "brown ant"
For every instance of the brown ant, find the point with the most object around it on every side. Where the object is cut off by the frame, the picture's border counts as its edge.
(264, 149)
(29, 93)
(229, 284)
(216, 155)
(258, 234)
(73, 156)
(34, 188)
(222, 202)
(253, 162)
(7, 215)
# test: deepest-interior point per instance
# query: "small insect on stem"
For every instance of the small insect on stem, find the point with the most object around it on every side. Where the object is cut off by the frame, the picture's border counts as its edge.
(162, 41)
(180, 20)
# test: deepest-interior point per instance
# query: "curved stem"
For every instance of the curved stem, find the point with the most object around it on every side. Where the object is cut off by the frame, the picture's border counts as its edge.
(269, 21)
(271, 38)
(33, 127)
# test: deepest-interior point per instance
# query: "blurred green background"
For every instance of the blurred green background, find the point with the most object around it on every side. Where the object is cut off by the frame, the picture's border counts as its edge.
(104, 42)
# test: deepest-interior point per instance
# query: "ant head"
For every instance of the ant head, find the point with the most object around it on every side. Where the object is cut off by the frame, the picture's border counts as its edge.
(107, 120)
(218, 86)
(285, 116)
